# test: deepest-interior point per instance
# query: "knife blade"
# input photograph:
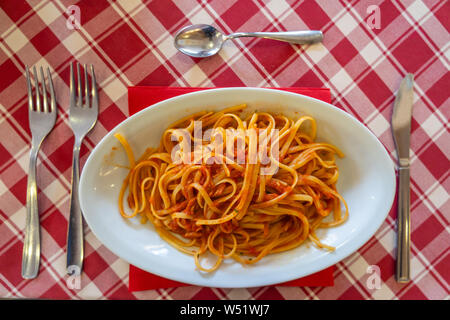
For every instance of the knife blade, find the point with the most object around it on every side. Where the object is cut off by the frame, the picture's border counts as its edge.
(401, 118)
(401, 129)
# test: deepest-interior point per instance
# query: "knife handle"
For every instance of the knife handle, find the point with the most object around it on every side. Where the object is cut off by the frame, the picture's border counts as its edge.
(403, 226)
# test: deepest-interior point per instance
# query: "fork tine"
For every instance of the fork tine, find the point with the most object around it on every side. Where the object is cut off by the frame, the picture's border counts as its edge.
(44, 91)
(94, 89)
(86, 87)
(36, 84)
(80, 97)
(30, 90)
(52, 92)
(72, 86)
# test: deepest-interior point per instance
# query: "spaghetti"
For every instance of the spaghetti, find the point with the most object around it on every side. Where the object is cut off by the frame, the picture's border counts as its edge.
(219, 205)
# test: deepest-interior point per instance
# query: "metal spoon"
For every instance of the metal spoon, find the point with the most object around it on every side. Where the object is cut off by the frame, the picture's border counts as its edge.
(202, 40)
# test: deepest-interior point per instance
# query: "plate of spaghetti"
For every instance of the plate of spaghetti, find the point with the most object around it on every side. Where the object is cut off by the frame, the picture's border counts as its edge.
(237, 187)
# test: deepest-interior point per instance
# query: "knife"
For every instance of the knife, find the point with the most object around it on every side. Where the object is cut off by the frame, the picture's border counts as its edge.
(401, 127)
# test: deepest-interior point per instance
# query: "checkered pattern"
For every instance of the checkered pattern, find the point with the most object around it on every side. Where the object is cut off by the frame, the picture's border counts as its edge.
(130, 43)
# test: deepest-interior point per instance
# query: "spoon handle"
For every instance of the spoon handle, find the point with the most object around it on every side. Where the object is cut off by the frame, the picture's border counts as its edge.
(298, 37)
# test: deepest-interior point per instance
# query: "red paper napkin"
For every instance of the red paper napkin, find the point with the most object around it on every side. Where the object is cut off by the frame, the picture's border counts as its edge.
(141, 97)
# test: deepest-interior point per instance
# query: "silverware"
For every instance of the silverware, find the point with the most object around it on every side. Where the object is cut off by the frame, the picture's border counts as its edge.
(82, 118)
(202, 40)
(41, 121)
(401, 126)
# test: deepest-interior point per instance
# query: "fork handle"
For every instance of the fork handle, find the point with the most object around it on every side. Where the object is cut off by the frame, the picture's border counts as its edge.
(75, 250)
(32, 244)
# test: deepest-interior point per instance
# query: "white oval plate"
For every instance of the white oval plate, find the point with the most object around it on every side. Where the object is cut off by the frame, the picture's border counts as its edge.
(366, 181)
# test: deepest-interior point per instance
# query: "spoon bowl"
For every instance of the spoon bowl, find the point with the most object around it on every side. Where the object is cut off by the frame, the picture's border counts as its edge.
(199, 40)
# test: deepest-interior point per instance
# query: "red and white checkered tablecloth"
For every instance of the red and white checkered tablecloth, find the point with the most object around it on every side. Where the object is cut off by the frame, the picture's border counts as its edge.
(362, 60)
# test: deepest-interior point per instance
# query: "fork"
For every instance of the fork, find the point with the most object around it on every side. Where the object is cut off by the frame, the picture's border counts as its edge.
(82, 118)
(41, 121)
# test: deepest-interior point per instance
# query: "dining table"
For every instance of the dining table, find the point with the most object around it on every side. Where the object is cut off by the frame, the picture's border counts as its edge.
(367, 49)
